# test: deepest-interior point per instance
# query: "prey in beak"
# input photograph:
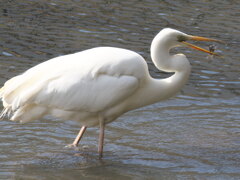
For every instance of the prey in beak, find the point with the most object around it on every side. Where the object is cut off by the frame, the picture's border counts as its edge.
(199, 38)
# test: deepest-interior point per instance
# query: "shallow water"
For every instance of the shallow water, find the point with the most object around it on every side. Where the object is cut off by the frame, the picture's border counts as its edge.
(194, 135)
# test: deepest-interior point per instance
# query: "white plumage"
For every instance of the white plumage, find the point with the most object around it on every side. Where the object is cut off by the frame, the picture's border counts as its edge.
(75, 86)
(96, 85)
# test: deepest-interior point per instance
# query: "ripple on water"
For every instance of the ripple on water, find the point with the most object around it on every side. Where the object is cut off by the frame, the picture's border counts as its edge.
(192, 136)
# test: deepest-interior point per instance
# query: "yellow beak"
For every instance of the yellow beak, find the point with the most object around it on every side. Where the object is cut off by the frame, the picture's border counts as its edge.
(198, 38)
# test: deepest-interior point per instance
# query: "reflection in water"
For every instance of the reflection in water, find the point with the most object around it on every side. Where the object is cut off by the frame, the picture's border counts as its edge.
(194, 135)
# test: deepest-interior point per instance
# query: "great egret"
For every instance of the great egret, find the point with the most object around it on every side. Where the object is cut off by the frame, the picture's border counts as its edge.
(98, 85)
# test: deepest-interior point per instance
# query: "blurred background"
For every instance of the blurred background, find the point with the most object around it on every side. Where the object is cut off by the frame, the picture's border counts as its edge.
(194, 135)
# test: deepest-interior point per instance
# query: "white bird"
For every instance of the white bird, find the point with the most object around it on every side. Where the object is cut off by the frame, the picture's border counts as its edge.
(98, 85)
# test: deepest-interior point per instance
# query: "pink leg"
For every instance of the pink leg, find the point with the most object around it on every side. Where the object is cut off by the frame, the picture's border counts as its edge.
(101, 138)
(78, 138)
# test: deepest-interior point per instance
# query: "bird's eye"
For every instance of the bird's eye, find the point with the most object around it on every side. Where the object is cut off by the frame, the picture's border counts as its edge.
(181, 38)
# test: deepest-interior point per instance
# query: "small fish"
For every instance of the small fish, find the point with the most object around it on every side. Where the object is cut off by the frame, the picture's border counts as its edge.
(211, 48)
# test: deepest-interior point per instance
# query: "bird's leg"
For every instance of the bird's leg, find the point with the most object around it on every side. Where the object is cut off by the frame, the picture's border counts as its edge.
(78, 138)
(101, 138)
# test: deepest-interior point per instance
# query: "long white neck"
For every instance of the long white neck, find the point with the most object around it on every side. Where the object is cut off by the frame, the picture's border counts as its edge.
(156, 90)
(165, 88)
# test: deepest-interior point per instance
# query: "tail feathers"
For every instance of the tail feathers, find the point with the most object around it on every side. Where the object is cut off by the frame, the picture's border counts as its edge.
(7, 111)
(15, 97)
(24, 114)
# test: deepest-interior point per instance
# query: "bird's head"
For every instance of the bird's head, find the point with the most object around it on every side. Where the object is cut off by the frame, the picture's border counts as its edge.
(174, 38)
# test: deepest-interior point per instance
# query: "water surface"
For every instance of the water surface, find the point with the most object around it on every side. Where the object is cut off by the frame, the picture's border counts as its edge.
(194, 135)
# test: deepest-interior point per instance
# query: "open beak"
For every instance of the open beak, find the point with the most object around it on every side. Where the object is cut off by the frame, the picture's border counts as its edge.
(198, 38)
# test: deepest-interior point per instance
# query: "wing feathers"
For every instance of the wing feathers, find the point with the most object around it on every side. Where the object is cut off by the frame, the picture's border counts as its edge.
(90, 81)
(91, 95)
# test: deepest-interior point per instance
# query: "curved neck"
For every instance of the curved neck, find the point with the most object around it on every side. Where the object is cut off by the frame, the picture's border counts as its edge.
(161, 89)
(165, 88)
(156, 90)
(160, 54)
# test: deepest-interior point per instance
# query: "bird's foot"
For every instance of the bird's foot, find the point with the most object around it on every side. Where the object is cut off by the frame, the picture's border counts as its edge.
(73, 146)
